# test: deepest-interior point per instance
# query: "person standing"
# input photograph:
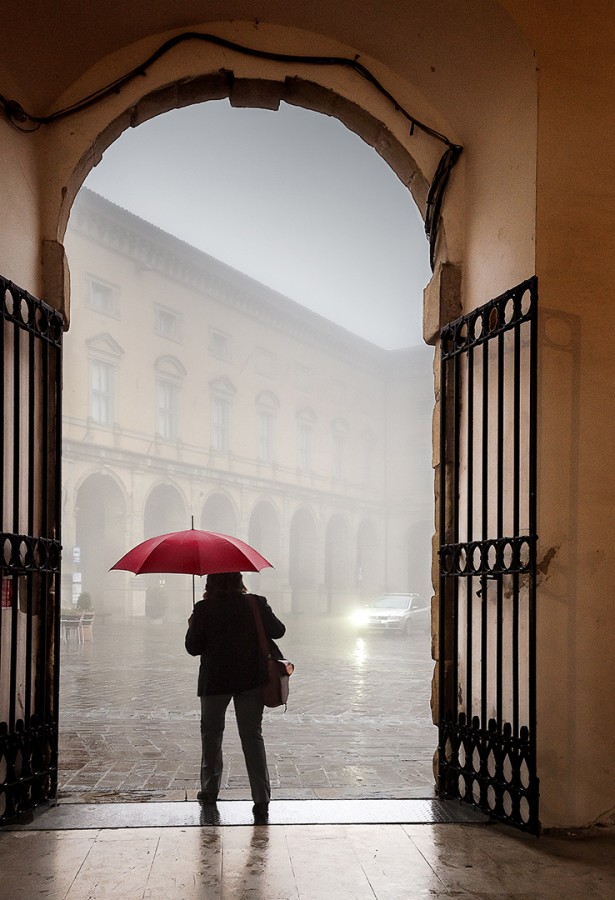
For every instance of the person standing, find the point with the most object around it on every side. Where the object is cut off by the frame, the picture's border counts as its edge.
(222, 631)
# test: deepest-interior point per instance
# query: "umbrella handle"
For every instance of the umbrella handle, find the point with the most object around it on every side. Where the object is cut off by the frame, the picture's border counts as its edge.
(193, 596)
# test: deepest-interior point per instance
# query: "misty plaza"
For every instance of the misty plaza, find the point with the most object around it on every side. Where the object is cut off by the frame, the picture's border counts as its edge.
(250, 415)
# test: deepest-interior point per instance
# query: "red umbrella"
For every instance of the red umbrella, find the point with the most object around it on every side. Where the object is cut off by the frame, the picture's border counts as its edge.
(192, 552)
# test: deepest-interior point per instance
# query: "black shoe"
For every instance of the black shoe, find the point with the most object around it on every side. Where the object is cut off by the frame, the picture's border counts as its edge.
(261, 813)
(206, 799)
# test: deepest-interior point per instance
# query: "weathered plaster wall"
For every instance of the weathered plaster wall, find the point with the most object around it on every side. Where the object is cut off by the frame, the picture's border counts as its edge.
(576, 269)
(20, 235)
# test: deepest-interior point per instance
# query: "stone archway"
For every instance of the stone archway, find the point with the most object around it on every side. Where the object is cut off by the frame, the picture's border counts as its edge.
(443, 296)
(309, 554)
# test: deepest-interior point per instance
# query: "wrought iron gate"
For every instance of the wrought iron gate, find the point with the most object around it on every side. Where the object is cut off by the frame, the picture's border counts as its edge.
(30, 462)
(487, 716)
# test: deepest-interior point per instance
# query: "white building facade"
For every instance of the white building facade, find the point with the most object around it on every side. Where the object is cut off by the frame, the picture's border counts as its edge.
(194, 393)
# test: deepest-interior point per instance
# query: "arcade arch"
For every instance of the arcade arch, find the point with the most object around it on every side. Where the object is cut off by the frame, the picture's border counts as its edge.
(264, 533)
(100, 536)
(369, 580)
(165, 511)
(338, 576)
(219, 514)
(303, 563)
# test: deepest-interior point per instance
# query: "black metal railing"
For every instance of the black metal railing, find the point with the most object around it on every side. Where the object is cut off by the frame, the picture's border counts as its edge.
(30, 550)
(487, 670)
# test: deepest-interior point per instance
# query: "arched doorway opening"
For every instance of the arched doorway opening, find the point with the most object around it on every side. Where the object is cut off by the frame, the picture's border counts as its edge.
(338, 581)
(100, 530)
(368, 566)
(264, 534)
(334, 455)
(219, 514)
(303, 568)
(166, 595)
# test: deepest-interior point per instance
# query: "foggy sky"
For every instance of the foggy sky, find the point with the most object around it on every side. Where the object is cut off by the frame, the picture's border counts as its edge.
(291, 198)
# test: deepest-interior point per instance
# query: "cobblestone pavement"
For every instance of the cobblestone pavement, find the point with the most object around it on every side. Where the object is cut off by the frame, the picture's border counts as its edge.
(358, 722)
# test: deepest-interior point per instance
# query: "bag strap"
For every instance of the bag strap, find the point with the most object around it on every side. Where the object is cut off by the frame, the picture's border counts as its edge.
(258, 619)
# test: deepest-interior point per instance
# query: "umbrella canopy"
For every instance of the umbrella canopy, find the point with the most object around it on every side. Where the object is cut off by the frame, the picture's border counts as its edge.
(192, 552)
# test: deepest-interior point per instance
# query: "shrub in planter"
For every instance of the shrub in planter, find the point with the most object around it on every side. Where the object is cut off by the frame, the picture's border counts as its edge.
(84, 603)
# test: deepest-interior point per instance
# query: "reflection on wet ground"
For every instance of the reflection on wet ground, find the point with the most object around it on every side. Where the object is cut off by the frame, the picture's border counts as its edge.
(358, 722)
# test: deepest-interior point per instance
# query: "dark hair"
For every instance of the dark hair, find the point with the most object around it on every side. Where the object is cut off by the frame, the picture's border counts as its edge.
(224, 583)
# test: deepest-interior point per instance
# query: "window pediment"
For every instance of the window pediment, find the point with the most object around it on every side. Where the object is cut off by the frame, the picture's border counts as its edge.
(307, 414)
(340, 426)
(267, 400)
(104, 345)
(223, 385)
(170, 366)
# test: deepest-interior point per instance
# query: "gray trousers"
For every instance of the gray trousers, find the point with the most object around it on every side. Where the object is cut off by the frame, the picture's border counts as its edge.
(249, 713)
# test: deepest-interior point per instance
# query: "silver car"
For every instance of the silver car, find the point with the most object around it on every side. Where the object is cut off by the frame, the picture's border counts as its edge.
(402, 613)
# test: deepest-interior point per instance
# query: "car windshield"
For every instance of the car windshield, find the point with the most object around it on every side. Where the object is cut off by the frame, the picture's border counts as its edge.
(389, 602)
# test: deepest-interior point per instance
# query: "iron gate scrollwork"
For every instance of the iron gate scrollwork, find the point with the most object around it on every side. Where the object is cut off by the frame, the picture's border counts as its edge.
(30, 460)
(487, 558)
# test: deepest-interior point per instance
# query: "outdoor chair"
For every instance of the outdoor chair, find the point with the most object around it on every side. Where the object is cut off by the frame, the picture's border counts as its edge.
(70, 624)
(87, 627)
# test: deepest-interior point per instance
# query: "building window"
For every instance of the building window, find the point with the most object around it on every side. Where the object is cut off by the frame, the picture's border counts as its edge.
(305, 446)
(219, 345)
(369, 441)
(305, 429)
(167, 397)
(220, 424)
(268, 406)
(338, 455)
(170, 373)
(102, 390)
(167, 323)
(340, 435)
(266, 429)
(102, 296)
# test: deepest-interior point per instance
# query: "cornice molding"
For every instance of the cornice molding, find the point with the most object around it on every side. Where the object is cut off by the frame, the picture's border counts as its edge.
(152, 248)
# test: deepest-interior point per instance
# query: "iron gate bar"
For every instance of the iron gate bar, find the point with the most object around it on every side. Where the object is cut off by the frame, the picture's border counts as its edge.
(500, 524)
(516, 514)
(470, 518)
(489, 760)
(533, 525)
(31, 340)
(484, 524)
(456, 449)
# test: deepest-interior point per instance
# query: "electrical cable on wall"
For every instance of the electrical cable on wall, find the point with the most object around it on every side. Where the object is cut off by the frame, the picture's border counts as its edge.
(26, 122)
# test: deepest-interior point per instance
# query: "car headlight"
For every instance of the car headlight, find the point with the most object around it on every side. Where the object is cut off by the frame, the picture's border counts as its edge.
(359, 617)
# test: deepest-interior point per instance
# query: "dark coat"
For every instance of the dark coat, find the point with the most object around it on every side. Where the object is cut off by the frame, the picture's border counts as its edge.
(222, 631)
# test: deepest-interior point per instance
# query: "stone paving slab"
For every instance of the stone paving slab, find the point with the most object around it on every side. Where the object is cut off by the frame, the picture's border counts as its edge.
(358, 722)
(281, 812)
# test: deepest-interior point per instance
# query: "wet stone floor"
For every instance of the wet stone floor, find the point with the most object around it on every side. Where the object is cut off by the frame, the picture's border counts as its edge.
(358, 723)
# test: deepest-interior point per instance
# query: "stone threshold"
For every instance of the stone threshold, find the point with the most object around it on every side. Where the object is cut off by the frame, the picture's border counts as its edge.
(80, 816)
